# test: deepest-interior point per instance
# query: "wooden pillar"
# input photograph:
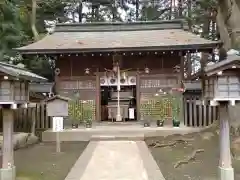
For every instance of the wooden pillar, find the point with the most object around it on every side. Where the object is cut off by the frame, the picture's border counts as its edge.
(33, 115)
(203, 63)
(225, 162)
(57, 80)
(7, 148)
(189, 66)
(138, 95)
(98, 97)
(181, 103)
(32, 107)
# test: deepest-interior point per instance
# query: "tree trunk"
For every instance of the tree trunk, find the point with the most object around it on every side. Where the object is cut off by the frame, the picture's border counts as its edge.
(233, 22)
(137, 9)
(222, 29)
(92, 13)
(238, 4)
(171, 10)
(189, 9)
(114, 12)
(228, 23)
(206, 28)
(80, 11)
(33, 20)
(180, 8)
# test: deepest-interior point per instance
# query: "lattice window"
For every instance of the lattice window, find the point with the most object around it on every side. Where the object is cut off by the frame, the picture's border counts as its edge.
(155, 107)
(161, 82)
(228, 86)
(82, 110)
(84, 84)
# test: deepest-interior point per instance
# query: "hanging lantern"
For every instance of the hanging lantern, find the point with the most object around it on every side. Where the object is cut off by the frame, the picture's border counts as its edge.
(87, 71)
(146, 70)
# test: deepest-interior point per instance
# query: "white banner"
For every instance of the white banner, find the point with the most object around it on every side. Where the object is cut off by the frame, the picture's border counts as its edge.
(131, 113)
(57, 124)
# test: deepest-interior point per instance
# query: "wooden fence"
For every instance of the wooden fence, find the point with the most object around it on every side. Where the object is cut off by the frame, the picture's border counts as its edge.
(23, 119)
(197, 115)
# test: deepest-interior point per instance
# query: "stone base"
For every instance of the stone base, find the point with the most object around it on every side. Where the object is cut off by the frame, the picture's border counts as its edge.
(8, 174)
(226, 173)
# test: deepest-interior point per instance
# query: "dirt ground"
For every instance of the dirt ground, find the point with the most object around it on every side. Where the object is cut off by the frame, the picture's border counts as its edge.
(204, 167)
(40, 162)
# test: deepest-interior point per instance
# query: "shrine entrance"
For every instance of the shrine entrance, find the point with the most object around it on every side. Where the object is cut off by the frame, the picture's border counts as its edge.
(127, 103)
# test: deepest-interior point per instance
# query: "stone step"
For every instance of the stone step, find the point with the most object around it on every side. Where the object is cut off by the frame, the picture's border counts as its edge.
(115, 137)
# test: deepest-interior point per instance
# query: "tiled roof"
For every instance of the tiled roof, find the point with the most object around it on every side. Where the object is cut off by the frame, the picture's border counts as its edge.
(20, 73)
(232, 60)
(117, 37)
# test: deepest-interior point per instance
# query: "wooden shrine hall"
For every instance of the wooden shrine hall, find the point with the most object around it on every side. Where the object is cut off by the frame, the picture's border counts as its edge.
(104, 65)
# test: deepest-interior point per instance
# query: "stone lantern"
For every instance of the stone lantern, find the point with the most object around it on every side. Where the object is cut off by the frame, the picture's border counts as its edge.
(14, 93)
(222, 88)
(223, 81)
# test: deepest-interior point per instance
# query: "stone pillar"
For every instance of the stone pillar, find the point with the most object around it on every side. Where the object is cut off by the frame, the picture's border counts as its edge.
(226, 171)
(8, 169)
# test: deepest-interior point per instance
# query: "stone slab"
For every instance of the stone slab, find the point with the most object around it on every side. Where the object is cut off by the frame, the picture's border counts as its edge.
(115, 160)
(8, 174)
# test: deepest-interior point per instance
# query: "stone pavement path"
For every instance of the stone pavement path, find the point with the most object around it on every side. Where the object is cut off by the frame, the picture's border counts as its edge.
(115, 160)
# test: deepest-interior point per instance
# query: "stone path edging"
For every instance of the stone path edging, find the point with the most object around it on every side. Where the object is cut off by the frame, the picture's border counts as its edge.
(153, 171)
(79, 167)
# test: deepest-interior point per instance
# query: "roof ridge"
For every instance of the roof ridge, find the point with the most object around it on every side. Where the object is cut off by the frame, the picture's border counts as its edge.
(121, 26)
(120, 23)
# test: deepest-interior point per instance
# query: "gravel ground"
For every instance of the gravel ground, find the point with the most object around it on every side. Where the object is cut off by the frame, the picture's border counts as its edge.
(204, 167)
(41, 162)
